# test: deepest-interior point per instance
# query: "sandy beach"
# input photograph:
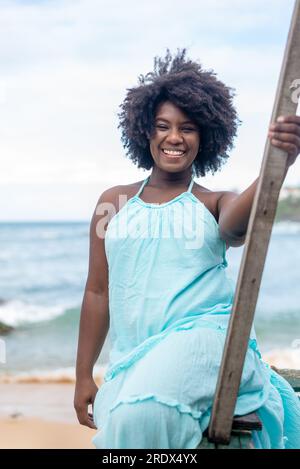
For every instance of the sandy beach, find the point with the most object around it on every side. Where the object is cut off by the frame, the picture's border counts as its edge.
(40, 416)
(23, 433)
(36, 411)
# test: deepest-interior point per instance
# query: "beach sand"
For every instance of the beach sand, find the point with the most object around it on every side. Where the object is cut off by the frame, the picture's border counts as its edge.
(36, 411)
(24, 433)
(41, 416)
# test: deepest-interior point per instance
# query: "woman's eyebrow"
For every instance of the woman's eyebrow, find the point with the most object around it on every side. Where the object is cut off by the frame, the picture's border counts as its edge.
(166, 120)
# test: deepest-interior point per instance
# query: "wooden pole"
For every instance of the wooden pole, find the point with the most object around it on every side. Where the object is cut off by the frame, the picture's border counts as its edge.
(272, 174)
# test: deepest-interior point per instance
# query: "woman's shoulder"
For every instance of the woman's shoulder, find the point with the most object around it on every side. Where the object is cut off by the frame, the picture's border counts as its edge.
(211, 198)
(208, 197)
(116, 196)
(128, 190)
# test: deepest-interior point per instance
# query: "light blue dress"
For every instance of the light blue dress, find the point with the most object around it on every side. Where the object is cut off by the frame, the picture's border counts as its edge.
(169, 302)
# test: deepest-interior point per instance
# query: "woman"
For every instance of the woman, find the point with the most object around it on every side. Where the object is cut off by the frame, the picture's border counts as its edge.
(157, 274)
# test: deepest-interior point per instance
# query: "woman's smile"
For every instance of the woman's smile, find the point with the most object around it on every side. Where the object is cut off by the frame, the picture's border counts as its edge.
(172, 154)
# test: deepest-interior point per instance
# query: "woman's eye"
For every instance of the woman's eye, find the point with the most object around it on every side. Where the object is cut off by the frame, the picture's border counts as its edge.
(185, 129)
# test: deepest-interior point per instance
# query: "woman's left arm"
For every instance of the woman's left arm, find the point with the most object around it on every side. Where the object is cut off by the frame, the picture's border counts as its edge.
(234, 210)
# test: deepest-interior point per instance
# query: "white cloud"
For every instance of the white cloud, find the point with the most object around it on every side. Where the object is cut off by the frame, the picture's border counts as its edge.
(66, 66)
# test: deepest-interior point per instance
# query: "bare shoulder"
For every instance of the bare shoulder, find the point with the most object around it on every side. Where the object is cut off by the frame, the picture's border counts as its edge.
(208, 197)
(214, 200)
(216, 194)
(225, 198)
(113, 199)
(112, 194)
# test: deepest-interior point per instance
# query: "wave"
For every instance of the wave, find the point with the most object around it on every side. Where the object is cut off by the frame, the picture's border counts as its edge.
(15, 313)
(18, 313)
(60, 375)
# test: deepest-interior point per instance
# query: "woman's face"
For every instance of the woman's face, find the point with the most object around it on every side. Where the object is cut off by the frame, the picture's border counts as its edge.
(175, 141)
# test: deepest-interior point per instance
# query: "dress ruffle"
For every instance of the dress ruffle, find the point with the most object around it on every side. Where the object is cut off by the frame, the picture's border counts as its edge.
(137, 353)
(140, 382)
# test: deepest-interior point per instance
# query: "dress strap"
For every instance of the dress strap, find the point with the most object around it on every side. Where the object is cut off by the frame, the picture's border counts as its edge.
(142, 186)
(192, 178)
(191, 185)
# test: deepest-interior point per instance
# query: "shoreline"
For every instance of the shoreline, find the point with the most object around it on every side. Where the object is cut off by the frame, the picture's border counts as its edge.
(59, 376)
(286, 358)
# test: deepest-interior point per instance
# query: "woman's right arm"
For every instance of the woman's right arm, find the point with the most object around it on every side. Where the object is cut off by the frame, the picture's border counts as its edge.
(94, 319)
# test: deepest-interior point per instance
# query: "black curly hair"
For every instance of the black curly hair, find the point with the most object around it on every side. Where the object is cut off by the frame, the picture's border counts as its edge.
(206, 100)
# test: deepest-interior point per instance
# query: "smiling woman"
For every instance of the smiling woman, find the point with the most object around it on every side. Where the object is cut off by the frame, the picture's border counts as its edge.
(166, 299)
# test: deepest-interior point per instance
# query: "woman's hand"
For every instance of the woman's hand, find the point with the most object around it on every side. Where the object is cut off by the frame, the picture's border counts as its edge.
(85, 392)
(285, 134)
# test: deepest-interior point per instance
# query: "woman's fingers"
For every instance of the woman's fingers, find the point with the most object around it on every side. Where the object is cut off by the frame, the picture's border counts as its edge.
(286, 137)
(285, 134)
(84, 417)
(292, 118)
(288, 147)
(85, 393)
(91, 421)
(286, 128)
(291, 141)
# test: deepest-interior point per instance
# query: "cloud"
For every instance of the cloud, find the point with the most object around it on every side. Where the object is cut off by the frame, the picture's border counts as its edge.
(88, 30)
(66, 66)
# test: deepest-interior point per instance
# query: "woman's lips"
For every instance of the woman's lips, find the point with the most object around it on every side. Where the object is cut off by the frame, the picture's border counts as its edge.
(173, 156)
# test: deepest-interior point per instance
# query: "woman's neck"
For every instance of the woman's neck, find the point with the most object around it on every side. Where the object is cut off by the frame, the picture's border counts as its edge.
(168, 180)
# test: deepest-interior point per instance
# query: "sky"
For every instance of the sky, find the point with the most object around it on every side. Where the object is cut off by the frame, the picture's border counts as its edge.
(65, 68)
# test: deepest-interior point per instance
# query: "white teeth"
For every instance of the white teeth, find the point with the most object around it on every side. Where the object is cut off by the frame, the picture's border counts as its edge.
(173, 152)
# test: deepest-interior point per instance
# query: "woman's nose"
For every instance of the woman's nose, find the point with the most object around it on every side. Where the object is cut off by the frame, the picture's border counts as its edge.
(174, 136)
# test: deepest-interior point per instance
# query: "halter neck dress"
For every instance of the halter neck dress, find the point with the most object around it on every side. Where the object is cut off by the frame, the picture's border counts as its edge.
(169, 303)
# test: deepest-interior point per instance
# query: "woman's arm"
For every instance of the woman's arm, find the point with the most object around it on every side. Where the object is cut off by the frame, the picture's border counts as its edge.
(94, 325)
(94, 320)
(234, 210)
(93, 329)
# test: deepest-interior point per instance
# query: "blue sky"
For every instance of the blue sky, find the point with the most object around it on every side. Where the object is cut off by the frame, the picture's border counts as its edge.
(65, 67)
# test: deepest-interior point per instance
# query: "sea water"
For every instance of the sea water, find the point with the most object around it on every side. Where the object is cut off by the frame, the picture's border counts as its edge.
(43, 270)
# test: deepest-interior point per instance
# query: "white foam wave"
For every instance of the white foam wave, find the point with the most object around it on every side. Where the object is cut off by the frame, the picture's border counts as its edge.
(15, 313)
(60, 375)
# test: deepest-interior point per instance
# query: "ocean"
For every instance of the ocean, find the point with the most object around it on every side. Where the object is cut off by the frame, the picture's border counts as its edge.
(43, 269)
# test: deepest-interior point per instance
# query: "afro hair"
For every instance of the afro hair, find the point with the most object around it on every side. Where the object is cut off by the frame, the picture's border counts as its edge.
(198, 93)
